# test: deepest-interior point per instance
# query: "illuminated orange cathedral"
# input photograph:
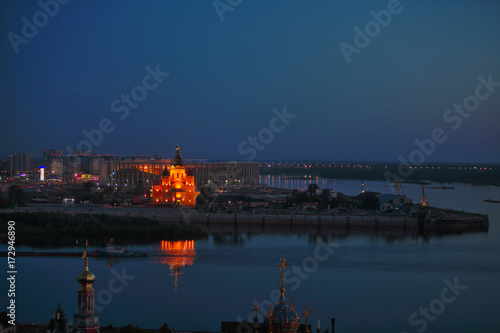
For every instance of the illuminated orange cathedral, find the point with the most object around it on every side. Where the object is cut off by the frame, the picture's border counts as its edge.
(177, 185)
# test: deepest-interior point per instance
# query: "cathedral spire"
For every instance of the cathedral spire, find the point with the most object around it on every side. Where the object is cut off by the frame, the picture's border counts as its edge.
(85, 319)
(269, 319)
(282, 266)
(177, 159)
(256, 316)
(85, 255)
(86, 278)
(306, 316)
(283, 319)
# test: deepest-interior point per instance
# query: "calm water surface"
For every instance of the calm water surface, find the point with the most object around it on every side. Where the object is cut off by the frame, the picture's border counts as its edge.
(370, 282)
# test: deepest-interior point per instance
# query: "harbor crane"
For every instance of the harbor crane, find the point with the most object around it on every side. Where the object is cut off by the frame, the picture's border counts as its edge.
(399, 187)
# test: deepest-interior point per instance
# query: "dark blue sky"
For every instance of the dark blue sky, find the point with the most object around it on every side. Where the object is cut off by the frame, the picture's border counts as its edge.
(225, 78)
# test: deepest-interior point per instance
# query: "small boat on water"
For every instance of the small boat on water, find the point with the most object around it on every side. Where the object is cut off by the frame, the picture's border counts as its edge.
(112, 251)
(493, 201)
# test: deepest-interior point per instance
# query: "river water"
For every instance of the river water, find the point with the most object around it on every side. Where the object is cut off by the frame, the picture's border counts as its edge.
(368, 280)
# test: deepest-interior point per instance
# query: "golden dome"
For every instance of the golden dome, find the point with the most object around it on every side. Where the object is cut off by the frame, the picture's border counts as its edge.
(86, 278)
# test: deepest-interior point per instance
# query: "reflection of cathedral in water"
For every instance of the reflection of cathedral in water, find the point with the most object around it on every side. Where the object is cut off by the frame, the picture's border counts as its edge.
(178, 255)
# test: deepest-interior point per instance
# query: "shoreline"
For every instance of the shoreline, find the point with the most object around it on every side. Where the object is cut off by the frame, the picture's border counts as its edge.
(185, 216)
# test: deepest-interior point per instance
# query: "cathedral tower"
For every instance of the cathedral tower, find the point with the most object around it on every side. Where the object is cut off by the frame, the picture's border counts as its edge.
(86, 321)
(177, 186)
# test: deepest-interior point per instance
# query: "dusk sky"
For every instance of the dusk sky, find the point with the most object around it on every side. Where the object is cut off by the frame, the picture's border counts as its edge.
(230, 66)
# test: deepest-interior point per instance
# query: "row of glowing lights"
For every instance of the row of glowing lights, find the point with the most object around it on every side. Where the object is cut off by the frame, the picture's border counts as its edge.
(177, 186)
(370, 167)
(286, 177)
(173, 200)
(166, 190)
(334, 165)
(454, 168)
(187, 184)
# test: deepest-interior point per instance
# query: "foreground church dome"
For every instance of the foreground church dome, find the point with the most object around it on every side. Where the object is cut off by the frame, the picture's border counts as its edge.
(85, 320)
(86, 278)
(283, 318)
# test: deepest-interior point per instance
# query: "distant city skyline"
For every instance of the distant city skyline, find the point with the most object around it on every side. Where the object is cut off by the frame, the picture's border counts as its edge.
(338, 81)
(38, 158)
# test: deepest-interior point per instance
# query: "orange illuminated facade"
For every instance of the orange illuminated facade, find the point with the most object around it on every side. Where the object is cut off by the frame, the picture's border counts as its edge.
(177, 185)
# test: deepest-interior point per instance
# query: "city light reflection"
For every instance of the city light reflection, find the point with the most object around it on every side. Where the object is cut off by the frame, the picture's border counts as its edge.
(178, 255)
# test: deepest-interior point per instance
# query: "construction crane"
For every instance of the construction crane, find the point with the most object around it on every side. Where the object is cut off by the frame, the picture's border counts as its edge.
(399, 187)
(424, 202)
